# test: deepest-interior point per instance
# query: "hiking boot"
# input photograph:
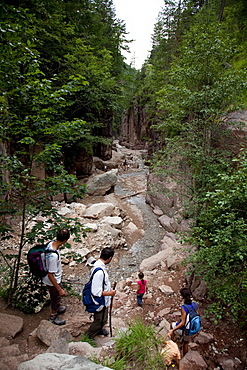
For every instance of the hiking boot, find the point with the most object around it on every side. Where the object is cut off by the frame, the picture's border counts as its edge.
(103, 332)
(57, 321)
(61, 310)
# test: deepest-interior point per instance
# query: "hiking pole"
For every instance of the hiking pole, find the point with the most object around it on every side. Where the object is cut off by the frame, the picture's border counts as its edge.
(72, 282)
(110, 310)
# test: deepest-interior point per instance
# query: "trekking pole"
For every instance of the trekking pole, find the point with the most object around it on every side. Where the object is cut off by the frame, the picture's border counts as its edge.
(110, 310)
(72, 282)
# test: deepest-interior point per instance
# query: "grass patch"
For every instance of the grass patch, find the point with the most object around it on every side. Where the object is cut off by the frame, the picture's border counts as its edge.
(138, 348)
(85, 338)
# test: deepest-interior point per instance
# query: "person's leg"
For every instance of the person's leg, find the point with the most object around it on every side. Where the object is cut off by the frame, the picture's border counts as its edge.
(55, 304)
(104, 322)
(185, 347)
(139, 299)
(100, 319)
(55, 299)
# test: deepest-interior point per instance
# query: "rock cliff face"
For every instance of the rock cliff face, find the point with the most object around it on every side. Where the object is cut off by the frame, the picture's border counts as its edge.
(136, 132)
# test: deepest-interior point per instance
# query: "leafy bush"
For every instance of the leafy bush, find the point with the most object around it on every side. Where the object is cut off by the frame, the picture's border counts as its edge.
(30, 295)
(221, 238)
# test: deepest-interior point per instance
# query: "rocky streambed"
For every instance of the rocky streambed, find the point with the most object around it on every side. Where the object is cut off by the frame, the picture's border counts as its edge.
(143, 238)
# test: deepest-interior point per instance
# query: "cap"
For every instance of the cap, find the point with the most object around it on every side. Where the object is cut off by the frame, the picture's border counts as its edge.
(90, 262)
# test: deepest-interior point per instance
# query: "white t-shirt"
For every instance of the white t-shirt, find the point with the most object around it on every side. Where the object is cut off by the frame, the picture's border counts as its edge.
(97, 283)
(54, 265)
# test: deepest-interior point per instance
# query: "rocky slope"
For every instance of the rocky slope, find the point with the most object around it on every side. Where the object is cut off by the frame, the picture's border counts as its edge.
(144, 239)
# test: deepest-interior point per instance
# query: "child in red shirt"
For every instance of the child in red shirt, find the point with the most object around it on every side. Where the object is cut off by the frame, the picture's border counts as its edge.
(142, 288)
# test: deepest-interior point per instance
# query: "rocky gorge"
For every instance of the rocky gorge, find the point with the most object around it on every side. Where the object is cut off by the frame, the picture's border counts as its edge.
(117, 211)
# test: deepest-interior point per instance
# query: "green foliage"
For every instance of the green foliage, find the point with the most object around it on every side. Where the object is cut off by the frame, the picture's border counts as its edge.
(60, 71)
(30, 295)
(220, 235)
(85, 338)
(195, 76)
(139, 347)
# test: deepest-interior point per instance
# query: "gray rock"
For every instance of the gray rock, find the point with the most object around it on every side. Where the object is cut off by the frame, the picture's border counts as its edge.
(228, 363)
(63, 211)
(59, 346)
(114, 232)
(10, 325)
(99, 210)
(11, 363)
(192, 361)
(150, 263)
(48, 361)
(204, 338)
(83, 349)
(92, 226)
(48, 333)
(169, 224)
(4, 342)
(200, 292)
(10, 351)
(166, 289)
(101, 184)
(114, 221)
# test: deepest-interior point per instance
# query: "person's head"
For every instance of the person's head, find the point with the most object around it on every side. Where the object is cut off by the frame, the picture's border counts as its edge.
(107, 254)
(63, 235)
(141, 275)
(186, 294)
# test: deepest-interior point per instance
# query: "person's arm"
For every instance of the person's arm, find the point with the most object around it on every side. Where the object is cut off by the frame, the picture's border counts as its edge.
(53, 280)
(181, 324)
(138, 287)
(111, 293)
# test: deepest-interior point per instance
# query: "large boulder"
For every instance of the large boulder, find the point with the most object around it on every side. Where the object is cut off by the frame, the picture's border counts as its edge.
(48, 333)
(103, 183)
(99, 210)
(10, 325)
(192, 361)
(55, 361)
(169, 224)
(162, 194)
(150, 263)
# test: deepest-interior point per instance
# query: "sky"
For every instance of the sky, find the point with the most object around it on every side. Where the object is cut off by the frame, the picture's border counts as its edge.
(140, 17)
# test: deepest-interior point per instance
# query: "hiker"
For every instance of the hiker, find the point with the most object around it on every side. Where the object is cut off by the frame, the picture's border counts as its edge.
(124, 164)
(54, 276)
(101, 287)
(177, 327)
(142, 288)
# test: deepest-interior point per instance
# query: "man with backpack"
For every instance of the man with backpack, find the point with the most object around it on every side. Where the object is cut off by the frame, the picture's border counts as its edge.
(190, 322)
(54, 276)
(101, 288)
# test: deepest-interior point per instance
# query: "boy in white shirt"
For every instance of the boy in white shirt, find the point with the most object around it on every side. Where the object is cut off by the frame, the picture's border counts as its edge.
(54, 276)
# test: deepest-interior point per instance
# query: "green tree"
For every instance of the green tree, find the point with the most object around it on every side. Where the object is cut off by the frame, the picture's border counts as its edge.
(194, 84)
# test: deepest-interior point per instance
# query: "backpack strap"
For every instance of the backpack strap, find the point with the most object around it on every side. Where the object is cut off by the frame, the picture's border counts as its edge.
(188, 308)
(47, 251)
(92, 275)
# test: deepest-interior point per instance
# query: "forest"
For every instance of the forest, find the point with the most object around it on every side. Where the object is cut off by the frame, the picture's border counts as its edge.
(65, 87)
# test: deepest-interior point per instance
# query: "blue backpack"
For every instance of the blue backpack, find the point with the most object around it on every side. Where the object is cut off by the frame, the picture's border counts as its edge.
(193, 320)
(92, 303)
